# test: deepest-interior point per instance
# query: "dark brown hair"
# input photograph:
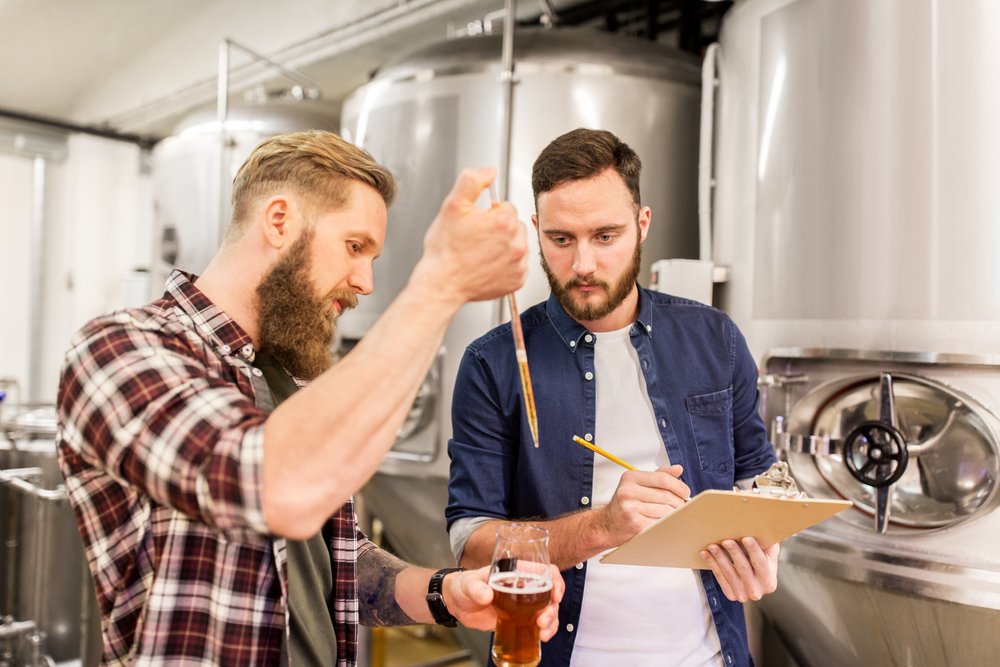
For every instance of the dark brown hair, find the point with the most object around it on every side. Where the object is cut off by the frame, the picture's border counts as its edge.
(581, 154)
(315, 164)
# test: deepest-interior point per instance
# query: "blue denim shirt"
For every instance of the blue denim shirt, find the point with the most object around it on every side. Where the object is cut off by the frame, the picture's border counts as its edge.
(702, 384)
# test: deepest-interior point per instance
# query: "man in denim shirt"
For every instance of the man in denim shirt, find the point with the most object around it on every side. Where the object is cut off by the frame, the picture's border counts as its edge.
(664, 383)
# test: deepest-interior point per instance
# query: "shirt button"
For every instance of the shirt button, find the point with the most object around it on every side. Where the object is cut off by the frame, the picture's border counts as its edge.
(645, 365)
(589, 338)
(663, 422)
(715, 602)
(588, 375)
(572, 343)
(569, 627)
(256, 371)
(729, 658)
(225, 349)
(246, 351)
(588, 437)
(585, 500)
(649, 328)
(579, 566)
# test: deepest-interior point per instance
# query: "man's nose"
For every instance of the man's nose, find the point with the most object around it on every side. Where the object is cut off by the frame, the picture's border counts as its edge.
(362, 279)
(584, 260)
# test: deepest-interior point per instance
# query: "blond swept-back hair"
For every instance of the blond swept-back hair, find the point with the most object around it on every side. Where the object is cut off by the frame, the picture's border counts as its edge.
(315, 164)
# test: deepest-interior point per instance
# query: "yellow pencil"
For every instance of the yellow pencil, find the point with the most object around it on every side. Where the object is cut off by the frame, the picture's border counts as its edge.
(594, 448)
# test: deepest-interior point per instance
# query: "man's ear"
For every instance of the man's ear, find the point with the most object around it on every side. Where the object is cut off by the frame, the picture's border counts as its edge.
(273, 220)
(645, 215)
(534, 220)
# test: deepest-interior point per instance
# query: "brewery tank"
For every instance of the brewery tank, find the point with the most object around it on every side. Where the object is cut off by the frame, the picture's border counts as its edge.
(855, 172)
(193, 171)
(46, 601)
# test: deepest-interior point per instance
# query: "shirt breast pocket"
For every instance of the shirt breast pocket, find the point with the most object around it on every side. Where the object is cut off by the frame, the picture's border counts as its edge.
(711, 417)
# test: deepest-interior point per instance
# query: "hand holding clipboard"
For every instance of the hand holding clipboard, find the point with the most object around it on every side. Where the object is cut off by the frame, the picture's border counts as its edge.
(713, 517)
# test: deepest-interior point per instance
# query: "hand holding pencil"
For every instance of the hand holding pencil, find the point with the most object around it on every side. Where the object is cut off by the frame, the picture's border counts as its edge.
(642, 497)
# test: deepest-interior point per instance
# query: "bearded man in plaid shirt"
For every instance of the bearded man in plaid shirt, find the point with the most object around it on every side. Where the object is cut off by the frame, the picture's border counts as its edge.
(216, 515)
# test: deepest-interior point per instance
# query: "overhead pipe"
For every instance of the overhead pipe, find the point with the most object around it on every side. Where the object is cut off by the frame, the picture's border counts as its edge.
(335, 41)
(142, 141)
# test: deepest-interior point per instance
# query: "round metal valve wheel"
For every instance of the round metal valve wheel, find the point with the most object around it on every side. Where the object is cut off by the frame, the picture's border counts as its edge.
(877, 445)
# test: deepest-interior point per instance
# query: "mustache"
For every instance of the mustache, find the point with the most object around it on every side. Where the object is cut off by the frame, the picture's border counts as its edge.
(577, 282)
(345, 296)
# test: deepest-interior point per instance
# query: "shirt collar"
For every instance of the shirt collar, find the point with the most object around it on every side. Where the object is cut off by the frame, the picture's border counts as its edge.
(572, 331)
(213, 322)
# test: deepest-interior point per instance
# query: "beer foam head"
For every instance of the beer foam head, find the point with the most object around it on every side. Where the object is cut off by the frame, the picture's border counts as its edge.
(520, 583)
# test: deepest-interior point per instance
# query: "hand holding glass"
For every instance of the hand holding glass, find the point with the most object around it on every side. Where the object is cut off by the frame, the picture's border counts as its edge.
(521, 580)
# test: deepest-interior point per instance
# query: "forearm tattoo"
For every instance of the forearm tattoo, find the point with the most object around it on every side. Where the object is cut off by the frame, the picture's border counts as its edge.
(377, 606)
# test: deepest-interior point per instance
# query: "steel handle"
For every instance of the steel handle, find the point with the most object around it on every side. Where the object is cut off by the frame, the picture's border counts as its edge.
(17, 478)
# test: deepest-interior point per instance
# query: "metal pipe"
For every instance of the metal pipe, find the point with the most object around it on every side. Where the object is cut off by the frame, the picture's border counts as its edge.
(14, 479)
(57, 124)
(706, 157)
(506, 113)
(222, 114)
(11, 629)
(381, 24)
(38, 602)
(36, 281)
(507, 81)
(311, 85)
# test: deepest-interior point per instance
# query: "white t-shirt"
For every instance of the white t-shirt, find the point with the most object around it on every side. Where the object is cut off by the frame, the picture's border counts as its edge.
(636, 616)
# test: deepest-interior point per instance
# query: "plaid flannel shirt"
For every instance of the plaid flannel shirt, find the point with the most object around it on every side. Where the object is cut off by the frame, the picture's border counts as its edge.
(161, 443)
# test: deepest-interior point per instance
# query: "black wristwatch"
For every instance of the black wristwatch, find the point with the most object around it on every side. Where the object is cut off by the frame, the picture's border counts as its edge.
(435, 600)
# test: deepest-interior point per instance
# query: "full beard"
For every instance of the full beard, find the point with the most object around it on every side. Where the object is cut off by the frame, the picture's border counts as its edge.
(297, 326)
(590, 311)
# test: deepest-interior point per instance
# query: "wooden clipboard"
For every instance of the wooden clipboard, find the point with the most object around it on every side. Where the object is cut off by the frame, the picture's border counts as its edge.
(713, 516)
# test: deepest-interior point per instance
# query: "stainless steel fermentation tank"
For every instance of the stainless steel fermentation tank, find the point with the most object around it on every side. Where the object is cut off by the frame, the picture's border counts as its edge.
(856, 166)
(441, 109)
(45, 593)
(193, 170)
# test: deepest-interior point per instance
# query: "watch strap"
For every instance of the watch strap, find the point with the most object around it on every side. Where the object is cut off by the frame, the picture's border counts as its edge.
(435, 598)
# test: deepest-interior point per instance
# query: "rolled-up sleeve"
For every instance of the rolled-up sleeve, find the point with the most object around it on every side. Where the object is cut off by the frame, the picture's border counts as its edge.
(144, 405)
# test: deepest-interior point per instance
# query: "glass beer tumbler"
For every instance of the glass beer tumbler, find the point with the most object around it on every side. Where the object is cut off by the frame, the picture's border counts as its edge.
(522, 586)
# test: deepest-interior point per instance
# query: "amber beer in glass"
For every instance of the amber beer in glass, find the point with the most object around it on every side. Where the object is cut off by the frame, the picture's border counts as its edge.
(522, 586)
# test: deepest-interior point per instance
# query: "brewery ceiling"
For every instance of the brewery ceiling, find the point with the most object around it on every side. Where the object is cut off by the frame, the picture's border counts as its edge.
(65, 63)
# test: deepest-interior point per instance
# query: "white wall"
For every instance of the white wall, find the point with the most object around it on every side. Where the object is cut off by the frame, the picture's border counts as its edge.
(98, 218)
(15, 225)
